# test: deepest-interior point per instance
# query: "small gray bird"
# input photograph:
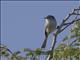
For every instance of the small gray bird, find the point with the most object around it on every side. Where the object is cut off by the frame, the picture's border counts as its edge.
(50, 26)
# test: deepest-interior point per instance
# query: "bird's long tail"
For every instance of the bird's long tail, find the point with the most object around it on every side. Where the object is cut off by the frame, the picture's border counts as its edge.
(45, 40)
(44, 43)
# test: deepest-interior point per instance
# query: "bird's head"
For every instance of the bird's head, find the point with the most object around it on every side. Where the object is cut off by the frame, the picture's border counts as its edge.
(50, 17)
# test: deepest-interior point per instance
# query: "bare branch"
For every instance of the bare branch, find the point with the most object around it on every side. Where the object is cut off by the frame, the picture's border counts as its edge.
(68, 24)
(59, 30)
(73, 42)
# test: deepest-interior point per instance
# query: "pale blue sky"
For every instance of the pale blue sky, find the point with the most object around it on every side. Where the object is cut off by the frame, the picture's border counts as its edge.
(22, 23)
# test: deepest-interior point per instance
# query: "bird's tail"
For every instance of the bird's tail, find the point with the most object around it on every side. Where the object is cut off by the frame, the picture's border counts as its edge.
(45, 40)
(44, 43)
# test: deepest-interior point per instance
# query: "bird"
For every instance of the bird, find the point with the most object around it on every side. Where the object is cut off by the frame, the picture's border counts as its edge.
(50, 26)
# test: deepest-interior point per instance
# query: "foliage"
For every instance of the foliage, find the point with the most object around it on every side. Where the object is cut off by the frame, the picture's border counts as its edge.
(66, 51)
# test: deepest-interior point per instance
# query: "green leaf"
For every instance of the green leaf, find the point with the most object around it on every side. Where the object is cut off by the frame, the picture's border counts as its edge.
(38, 51)
(29, 53)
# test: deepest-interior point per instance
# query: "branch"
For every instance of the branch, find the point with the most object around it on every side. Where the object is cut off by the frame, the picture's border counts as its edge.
(73, 42)
(8, 50)
(72, 13)
(59, 30)
(52, 47)
(68, 24)
(4, 47)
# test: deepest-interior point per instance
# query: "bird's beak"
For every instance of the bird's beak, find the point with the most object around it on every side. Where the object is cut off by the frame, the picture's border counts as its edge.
(42, 18)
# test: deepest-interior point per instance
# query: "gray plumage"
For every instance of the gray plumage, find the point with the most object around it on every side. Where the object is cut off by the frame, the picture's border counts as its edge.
(50, 26)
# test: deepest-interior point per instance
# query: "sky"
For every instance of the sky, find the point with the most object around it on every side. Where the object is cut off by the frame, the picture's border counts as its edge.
(22, 22)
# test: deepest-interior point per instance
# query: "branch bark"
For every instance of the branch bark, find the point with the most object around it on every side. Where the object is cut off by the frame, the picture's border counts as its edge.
(61, 29)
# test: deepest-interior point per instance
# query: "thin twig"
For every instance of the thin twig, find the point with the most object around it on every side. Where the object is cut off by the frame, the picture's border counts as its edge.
(59, 30)
(73, 42)
(68, 24)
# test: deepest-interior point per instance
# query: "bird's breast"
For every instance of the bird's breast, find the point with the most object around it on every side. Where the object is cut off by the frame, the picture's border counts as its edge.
(50, 25)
